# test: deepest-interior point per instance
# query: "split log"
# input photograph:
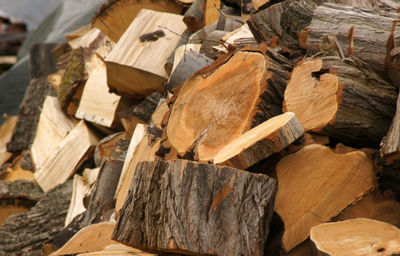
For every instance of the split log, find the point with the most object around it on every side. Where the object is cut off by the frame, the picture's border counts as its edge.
(102, 199)
(158, 115)
(361, 33)
(78, 33)
(28, 116)
(117, 250)
(240, 37)
(88, 239)
(242, 89)
(52, 128)
(114, 18)
(106, 146)
(67, 157)
(6, 133)
(143, 147)
(201, 13)
(338, 179)
(25, 233)
(130, 69)
(14, 171)
(42, 61)
(260, 142)
(141, 113)
(356, 237)
(196, 209)
(341, 98)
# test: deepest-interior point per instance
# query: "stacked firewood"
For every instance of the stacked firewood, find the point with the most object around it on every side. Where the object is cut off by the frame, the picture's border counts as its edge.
(209, 128)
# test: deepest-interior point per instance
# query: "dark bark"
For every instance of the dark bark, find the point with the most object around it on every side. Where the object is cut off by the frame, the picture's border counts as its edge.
(192, 208)
(29, 113)
(194, 16)
(102, 199)
(42, 60)
(20, 189)
(24, 234)
(145, 109)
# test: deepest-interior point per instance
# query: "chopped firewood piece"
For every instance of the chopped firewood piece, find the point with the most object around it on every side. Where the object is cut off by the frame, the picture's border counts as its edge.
(202, 13)
(91, 238)
(66, 157)
(14, 171)
(6, 133)
(106, 146)
(241, 90)
(117, 250)
(131, 71)
(356, 237)
(158, 115)
(315, 184)
(260, 142)
(114, 18)
(141, 148)
(342, 99)
(193, 208)
(53, 127)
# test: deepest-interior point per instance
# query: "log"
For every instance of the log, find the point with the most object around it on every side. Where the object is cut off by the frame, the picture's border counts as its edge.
(201, 13)
(390, 144)
(25, 233)
(52, 128)
(371, 32)
(141, 113)
(42, 61)
(102, 199)
(88, 239)
(114, 18)
(230, 110)
(191, 208)
(117, 249)
(106, 146)
(260, 142)
(341, 98)
(6, 133)
(130, 69)
(28, 116)
(67, 157)
(356, 237)
(158, 115)
(14, 171)
(316, 170)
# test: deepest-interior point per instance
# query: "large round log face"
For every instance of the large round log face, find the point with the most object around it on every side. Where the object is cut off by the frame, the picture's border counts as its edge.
(213, 110)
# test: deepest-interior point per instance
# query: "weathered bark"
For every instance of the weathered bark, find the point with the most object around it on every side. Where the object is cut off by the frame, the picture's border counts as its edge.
(390, 145)
(24, 234)
(350, 237)
(29, 113)
(42, 60)
(371, 32)
(20, 189)
(191, 208)
(102, 199)
(359, 109)
(201, 13)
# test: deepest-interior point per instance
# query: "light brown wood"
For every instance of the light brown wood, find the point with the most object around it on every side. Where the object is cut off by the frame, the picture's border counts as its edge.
(8, 210)
(15, 172)
(158, 115)
(77, 33)
(145, 151)
(118, 250)
(114, 18)
(260, 142)
(66, 157)
(356, 237)
(53, 127)
(91, 238)
(315, 184)
(135, 67)
(6, 132)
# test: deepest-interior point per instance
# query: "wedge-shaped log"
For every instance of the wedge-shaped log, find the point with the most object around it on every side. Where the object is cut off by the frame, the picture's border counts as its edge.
(222, 101)
(356, 237)
(341, 98)
(260, 142)
(135, 66)
(66, 157)
(315, 184)
(115, 17)
(191, 208)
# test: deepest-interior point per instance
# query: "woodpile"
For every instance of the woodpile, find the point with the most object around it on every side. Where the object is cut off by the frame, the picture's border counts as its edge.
(209, 127)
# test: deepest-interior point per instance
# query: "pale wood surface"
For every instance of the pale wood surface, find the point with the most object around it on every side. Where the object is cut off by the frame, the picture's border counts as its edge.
(53, 126)
(359, 237)
(64, 159)
(136, 68)
(118, 250)
(159, 114)
(315, 184)
(91, 238)
(260, 142)
(6, 132)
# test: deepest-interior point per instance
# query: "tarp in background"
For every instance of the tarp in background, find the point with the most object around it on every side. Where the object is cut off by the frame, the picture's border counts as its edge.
(67, 17)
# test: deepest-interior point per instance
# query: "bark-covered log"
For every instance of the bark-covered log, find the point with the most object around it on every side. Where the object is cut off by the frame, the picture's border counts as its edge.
(191, 208)
(102, 199)
(42, 60)
(343, 99)
(24, 234)
(29, 113)
(201, 13)
(370, 32)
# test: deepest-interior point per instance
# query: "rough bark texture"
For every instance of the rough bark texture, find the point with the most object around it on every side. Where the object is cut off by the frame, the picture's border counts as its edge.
(20, 189)
(187, 207)
(102, 199)
(24, 234)
(145, 108)
(194, 16)
(390, 145)
(29, 113)
(42, 60)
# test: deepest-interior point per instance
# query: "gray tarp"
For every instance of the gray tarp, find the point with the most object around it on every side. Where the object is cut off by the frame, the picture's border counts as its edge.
(67, 17)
